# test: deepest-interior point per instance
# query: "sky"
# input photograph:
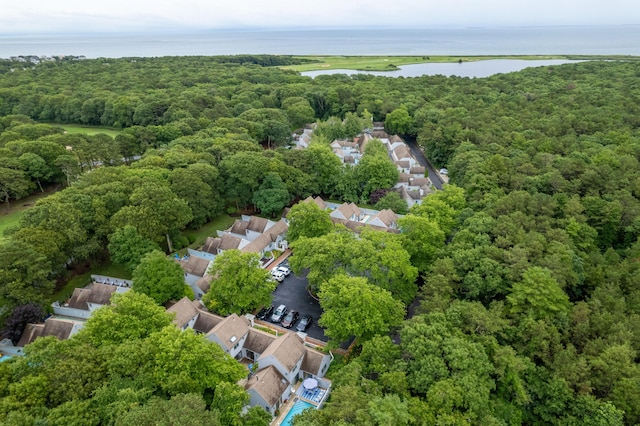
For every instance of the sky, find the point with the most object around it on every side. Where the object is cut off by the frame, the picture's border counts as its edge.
(52, 16)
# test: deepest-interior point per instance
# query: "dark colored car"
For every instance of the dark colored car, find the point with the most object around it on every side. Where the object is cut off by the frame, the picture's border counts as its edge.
(304, 323)
(290, 319)
(279, 313)
(265, 312)
(284, 263)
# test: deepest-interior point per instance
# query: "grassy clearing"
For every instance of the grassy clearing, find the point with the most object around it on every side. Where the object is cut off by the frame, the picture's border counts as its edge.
(107, 269)
(390, 63)
(9, 220)
(11, 216)
(92, 130)
(199, 236)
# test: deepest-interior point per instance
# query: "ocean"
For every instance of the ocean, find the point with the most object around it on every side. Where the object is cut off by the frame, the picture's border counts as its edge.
(575, 40)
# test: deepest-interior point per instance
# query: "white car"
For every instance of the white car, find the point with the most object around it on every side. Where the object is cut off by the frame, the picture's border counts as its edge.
(286, 271)
(278, 276)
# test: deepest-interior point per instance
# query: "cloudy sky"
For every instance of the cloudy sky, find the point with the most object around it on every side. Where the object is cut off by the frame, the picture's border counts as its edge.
(38, 16)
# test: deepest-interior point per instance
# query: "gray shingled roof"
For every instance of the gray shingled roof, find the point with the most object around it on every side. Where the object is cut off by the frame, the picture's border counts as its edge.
(266, 238)
(312, 361)
(97, 293)
(269, 383)
(228, 242)
(211, 245)
(288, 349)
(31, 332)
(387, 216)
(258, 341)
(184, 311)
(195, 265)
(231, 326)
(206, 321)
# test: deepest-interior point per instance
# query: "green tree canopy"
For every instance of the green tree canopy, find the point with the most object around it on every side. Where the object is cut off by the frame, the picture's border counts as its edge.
(129, 316)
(159, 277)
(307, 220)
(272, 195)
(378, 256)
(394, 202)
(353, 307)
(538, 294)
(127, 247)
(240, 285)
(399, 121)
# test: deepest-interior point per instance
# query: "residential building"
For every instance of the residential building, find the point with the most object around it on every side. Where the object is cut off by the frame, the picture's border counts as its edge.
(281, 360)
(85, 300)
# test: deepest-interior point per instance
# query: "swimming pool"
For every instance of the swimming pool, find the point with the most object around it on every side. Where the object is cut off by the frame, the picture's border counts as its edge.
(297, 408)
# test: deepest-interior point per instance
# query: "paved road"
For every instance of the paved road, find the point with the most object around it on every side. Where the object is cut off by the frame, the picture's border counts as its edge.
(424, 161)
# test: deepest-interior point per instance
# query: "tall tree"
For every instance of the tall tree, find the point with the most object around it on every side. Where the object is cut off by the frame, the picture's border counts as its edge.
(19, 318)
(181, 409)
(539, 295)
(399, 121)
(14, 184)
(353, 307)
(155, 211)
(240, 284)
(127, 247)
(307, 220)
(129, 316)
(422, 238)
(272, 195)
(159, 277)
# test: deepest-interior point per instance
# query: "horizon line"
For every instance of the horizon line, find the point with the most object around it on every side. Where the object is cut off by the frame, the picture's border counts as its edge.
(187, 30)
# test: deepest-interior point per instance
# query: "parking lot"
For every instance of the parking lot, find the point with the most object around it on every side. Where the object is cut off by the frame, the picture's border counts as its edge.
(292, 291)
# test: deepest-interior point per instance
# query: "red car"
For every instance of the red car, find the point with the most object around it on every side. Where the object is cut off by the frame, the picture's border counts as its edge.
(290, 319)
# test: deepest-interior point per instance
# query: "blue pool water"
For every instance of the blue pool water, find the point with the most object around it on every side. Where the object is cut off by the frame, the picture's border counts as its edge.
(5, 358)
(297, 408)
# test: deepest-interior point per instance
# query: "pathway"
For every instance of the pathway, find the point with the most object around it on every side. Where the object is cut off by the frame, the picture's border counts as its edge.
(424, 161)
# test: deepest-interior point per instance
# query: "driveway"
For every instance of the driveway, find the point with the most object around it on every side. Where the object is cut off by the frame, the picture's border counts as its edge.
(424, 161)
(293, 293)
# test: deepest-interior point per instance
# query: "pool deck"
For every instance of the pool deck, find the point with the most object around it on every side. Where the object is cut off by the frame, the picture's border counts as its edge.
(295, 397)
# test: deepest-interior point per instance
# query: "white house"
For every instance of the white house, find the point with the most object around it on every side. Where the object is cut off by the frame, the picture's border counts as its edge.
(59, 328)
(84, 301)
(281, 360)
(230, 334)
(195, 269)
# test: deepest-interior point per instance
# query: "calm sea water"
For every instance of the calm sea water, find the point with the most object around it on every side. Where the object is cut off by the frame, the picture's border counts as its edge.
(608, 40)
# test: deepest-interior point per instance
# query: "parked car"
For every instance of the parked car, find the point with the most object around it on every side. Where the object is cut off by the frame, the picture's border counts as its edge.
(290, 319)
(304, 323)
(284, 263)
(265, 312)
(286, 271)
(279, 313)
(278, 276)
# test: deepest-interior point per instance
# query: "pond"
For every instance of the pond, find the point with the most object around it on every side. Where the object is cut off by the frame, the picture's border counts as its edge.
(465, 69)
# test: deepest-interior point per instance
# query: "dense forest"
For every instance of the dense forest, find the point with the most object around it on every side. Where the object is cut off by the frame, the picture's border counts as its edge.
(528, 264)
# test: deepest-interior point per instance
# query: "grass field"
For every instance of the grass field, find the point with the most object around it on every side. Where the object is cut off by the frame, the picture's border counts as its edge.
(11, 216)
(199, 236)
(389, 63)
(89, 130)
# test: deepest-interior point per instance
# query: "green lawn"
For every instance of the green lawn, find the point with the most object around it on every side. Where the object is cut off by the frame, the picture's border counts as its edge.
(118, 271)
(388, 63)
(107, 269)
(11, 216)
(8, 220)
(91, 130)
(199, 236)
